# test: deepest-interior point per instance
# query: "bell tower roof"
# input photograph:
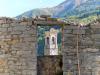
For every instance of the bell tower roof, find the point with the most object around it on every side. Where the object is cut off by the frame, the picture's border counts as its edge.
(53, 31)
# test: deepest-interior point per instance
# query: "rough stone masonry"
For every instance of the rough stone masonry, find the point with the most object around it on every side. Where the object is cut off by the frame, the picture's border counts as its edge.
(18, 52)
(89, 49)
(17, 47)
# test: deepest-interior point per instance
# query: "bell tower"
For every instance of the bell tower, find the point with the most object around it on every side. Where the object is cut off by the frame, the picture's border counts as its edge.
(51, 47)
(77, 2)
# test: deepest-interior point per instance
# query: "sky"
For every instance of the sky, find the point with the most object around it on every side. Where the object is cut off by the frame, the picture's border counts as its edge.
(12, 8)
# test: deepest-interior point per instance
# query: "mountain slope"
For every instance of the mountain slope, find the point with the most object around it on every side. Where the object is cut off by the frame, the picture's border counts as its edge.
(66, 9)
(90, 7)
(66, 5)
(36, 12)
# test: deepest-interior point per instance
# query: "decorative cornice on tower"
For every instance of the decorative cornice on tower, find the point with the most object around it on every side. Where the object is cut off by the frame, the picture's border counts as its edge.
(53, 31)
(47, 33)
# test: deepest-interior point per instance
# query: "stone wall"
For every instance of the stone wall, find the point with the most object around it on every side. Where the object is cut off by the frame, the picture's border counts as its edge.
(18, 52)
(17, 48)
(89, 49)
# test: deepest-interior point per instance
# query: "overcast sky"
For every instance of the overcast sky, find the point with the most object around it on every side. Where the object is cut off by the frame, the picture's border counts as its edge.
(12, 8)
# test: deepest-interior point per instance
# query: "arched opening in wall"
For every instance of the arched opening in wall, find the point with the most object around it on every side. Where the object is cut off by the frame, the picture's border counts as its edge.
(49, 50)
(47, 40)
(53, 40)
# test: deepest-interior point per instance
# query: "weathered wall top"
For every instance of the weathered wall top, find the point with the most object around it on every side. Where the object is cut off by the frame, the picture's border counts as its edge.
(32, 21)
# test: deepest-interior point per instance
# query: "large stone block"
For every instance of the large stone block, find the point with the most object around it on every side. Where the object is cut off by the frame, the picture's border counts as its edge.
(24, 23)
(97, 43)
(95, 31)
(97, 25)
(65, 73)
(90, 50)
(19, 28)
(81, 31)
(70, 27)
(5, 25)
(3, 29)
(95, 36)
(16, 32)
(68, 73)
(97, 40)
(86, 42)
(68, 31)
(30, 39)
(68, 35)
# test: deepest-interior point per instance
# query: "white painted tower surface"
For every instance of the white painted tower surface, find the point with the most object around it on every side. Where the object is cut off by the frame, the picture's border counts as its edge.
(51, 47)
(77, 2)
